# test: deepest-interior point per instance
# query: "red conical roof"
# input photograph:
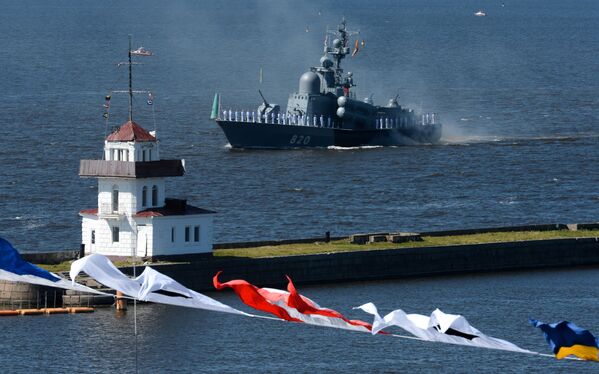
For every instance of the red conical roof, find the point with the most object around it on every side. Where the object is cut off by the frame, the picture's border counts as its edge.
(131, 132)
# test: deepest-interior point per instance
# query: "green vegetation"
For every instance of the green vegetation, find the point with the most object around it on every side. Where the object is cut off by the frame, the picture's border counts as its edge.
(66, 266)
(345, 246)
(427, 241)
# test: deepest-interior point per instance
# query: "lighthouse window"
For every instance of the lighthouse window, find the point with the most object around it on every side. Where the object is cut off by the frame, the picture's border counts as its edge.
(172, 234)
(144, 196)
(154, 196)
(187, 231)
(115, 199)
(115, 234)
(196, 233)
(93, 236)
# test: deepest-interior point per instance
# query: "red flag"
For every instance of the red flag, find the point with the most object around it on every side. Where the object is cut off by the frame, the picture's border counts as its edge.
(290, 306)
(250, 295)
(356, 48)
(307, 306)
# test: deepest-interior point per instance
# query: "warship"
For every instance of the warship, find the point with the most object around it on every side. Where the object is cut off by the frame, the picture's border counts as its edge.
(326, 113)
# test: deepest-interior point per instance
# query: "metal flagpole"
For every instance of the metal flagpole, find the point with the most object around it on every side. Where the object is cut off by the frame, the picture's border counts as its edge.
(133, 257)
(130, 82)
(133, 249)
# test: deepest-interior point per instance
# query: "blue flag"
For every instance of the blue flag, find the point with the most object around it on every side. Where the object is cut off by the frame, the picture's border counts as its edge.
(12, 262)
(565, 338)
(13, 268)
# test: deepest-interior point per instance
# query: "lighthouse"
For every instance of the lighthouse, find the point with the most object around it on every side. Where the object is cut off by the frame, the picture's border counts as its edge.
(133, 216)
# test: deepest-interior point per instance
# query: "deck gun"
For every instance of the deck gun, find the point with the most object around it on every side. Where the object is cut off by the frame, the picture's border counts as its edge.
(266, 109)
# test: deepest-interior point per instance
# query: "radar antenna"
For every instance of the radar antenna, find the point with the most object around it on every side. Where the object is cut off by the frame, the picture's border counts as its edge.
(340, 48)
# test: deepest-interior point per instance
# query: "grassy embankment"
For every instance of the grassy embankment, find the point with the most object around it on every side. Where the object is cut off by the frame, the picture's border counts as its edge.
(346, 246)
(427, 241)
(66, 266)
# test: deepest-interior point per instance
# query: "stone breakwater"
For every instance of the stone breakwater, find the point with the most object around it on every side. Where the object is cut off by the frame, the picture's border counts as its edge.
(23, 295)
(196, 272)
(388, 263)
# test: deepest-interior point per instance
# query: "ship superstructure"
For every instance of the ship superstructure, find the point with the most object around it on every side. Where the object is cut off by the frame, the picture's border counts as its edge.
(325, 112)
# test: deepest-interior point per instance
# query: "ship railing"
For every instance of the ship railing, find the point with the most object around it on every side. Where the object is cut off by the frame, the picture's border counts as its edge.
(430, 118)
(278, 119)
(384, 123)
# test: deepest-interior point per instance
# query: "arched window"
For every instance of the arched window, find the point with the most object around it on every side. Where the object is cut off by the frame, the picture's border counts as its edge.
(115, 198)
(144, 196)
(154, 195)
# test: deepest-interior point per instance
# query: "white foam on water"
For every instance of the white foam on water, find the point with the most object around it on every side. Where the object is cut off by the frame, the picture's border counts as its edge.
(338, 148)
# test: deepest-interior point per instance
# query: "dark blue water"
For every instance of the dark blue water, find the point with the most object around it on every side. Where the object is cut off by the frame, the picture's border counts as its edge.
(180, 340)
(517, 91)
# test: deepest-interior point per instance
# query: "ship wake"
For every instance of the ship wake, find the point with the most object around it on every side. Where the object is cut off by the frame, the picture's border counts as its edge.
(339, 148)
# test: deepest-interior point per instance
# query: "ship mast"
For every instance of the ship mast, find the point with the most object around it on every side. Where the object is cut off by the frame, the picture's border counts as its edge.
(340, 48)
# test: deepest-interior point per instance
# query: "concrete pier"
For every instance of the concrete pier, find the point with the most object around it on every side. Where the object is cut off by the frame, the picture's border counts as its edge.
(387, 264)
(15, 295)
(197, 272)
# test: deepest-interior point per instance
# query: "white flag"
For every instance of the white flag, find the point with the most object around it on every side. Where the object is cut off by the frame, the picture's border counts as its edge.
(439, 327)
(151, 285)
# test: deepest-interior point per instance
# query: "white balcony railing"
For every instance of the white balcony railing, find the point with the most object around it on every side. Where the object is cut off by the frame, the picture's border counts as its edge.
(107, 211)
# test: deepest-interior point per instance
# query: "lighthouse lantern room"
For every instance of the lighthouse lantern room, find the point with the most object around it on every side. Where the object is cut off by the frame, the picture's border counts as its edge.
(134, 217)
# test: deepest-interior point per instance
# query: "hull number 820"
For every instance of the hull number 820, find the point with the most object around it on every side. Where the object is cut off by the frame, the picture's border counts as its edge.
(299, 140)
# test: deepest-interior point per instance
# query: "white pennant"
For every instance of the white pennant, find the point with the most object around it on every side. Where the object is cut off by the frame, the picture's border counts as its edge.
(147, 286)
(439, 327)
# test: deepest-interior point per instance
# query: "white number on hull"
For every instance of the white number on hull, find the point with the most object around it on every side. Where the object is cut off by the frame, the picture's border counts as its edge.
(300, 139)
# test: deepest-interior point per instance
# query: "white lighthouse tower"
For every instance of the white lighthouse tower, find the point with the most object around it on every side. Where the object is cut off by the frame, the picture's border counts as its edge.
(134, 216)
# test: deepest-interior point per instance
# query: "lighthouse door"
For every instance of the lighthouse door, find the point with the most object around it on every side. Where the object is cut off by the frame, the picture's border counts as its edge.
(142, 241)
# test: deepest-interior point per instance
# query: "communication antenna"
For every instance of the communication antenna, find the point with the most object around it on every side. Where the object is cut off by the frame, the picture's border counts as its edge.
(138, 52)
(130, 63)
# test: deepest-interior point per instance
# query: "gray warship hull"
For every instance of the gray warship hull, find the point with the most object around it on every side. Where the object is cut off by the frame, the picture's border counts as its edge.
(325, 112)
(252, 135)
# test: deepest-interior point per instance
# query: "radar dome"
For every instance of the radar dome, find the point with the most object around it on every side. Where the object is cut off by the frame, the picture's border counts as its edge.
(336, 43)
(325, 62)
(309, 83)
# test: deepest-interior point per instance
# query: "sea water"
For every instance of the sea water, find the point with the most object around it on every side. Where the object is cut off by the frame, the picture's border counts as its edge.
(516, 91)
(180, 340)
(517, 94)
